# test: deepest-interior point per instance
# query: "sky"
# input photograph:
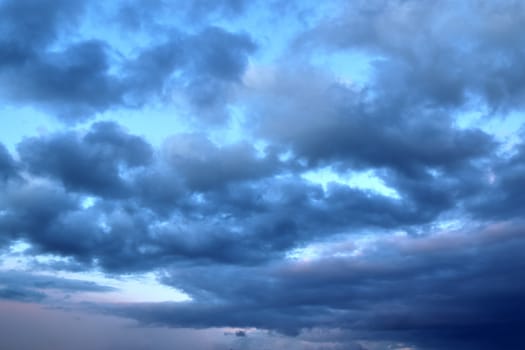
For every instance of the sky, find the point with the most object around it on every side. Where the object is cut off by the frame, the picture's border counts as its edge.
(250, 175)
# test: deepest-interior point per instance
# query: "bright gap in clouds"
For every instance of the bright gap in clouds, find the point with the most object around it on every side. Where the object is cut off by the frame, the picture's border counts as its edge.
(129, 288)
(346, 246)
(506, 128)
(364, 180)
(348, 68)
(29, 122)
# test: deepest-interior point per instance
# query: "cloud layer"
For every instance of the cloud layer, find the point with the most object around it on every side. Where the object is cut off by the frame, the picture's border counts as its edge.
(226, 208)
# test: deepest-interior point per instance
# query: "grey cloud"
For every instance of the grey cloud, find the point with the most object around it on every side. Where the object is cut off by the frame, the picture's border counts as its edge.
(26, 208)
(92, 163)
(324, 122)
(217, 63)
(205, 165)
(219, 220)
(441, 54)
(7, 164)
(431, 292)
(201, 202)
(35, 24)
(21, 294)
(201, 70)
(240, 334)
(28, 287)
(433, 165)
(221, 54)
(73, 81)
(43, 282)
(81, 78)
(503, 198)
(198, 201)
(149, 72)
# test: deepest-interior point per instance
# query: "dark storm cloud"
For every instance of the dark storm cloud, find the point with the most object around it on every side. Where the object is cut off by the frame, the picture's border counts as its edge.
(458, 290)
(75, 79)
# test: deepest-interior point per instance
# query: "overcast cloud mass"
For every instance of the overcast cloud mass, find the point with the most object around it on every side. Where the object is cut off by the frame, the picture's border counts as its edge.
(231, 174)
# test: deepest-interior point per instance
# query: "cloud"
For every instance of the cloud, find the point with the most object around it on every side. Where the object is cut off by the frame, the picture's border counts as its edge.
(7, 164)
(21, 294)
(195, 200)
(240, 334)
(154, 202)
(149, 15)
(503, 199)
(92, 163)
(43, 282)
(454, 290)
(205, 165)
(28, 287)
(328, 123)
(74, 79)
(433, 53)
(227, 209)
(36, 23)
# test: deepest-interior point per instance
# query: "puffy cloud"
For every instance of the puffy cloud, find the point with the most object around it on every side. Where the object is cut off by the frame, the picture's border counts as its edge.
(442, 54)
(75, 79)
(326, 122)
(94, 162)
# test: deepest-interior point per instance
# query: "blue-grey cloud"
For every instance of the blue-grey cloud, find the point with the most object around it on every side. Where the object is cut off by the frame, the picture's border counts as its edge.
(439, 54)
(44, 282)
(75, 79)
(92, 163)
(29, 287)
(21, 294)
(427, 292)
(227, 215)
